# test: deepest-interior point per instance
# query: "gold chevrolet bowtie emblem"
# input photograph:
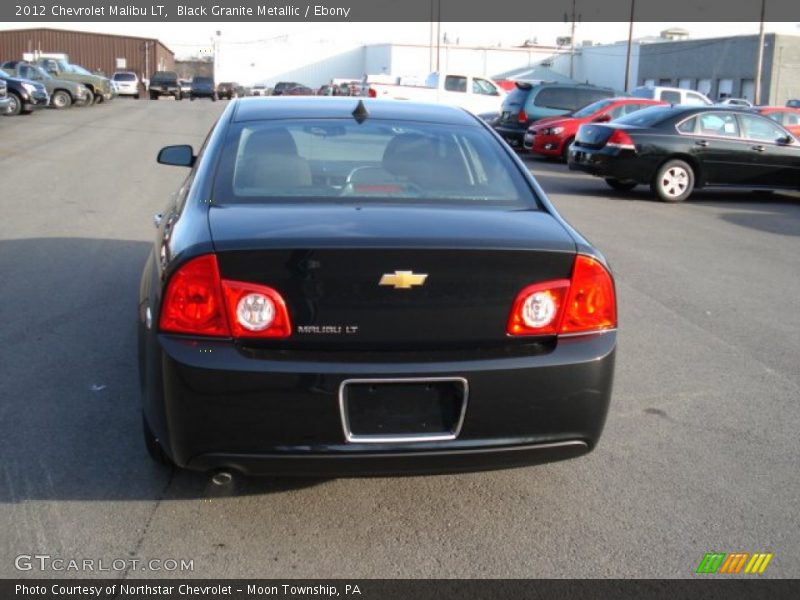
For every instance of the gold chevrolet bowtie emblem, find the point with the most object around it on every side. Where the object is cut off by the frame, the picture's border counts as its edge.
(403, 280)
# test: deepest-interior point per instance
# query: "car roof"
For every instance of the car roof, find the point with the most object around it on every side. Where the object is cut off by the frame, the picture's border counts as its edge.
(338, 107)
(688, 109)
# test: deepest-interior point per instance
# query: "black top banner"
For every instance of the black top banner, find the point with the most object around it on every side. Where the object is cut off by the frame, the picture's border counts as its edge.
(400, 11)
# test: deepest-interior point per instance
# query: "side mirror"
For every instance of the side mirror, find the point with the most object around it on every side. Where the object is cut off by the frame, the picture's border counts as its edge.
(602, 119)
(177, 156)
(786, 140)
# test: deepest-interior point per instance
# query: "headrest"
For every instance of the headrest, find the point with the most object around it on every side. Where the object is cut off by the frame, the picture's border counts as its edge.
(272, 140)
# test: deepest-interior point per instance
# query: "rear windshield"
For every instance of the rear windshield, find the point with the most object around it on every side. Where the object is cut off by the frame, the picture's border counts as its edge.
(377, 160)
(516, 97)
(647, 117)
(124, 77)
(589, 110)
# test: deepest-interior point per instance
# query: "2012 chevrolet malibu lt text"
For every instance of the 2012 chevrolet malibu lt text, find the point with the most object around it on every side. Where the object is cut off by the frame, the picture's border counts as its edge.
(367, 287)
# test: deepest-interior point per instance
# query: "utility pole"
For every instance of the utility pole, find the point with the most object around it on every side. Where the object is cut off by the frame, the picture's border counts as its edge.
(760, 55)
(573, 18)
(630, 43)
(430, 41)
(147, 60)
(215, 43)
(438, 34)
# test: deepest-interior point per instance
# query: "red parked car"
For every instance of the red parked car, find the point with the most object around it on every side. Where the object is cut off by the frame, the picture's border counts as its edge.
(552, 136)
(788, 117)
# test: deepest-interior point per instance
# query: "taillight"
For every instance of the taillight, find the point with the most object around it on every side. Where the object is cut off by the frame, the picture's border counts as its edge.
(256, 310)
(585, 303)
(197, 301)
(538, 308)
(591, 303)
(620, 139)
(372, 93)
(522, 116)
(193, 301)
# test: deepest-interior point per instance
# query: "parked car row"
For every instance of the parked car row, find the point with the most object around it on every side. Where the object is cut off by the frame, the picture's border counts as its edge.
(50, 82)
(673, 140)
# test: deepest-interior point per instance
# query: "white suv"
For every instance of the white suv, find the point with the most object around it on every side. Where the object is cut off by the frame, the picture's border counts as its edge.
(127, 83)
(672, 95)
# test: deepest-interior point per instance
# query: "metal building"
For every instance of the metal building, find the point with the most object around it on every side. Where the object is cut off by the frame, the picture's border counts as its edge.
(725, 67)
(93, 51)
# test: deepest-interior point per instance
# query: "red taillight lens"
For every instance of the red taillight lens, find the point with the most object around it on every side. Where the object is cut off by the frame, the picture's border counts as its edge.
(537, 309)
(591, 303)
(193, 300)
(586, 303)
(372, 93)
(256, 310)
(197, 301)
(621, 139)
(522, 116)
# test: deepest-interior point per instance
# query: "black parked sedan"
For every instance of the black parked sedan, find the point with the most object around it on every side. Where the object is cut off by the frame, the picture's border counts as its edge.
(676, 149)
(347, 287)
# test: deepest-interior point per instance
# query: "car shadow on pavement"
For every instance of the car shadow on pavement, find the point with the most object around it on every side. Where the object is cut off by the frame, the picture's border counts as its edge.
(70, 417)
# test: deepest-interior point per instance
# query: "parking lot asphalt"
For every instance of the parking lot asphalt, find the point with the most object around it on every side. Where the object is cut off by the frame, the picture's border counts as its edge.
(700, 452)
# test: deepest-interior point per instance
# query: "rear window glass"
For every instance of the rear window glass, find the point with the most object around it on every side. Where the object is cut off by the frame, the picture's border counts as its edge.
(647, 117)
(592, 108)
(516, 97)
(124, 77)
(377, 160)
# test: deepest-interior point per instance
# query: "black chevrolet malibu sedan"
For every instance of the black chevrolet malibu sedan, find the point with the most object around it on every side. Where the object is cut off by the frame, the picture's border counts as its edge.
(677, 149)
(365, 287)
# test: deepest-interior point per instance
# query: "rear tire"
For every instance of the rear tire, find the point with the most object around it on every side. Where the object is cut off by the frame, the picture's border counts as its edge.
(153, 446)
(89, 97)
(673, 182)
(621, 185)
(153, 96)
(61, 99)
(99, 99)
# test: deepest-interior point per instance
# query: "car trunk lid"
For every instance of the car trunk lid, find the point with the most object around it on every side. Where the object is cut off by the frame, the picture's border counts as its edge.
(414, 277)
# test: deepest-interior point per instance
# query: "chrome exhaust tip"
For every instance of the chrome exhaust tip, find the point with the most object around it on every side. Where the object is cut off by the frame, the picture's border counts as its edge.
(222, 478)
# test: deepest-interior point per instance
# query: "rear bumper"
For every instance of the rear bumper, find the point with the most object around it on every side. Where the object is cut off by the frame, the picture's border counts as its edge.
(610, 162)
(216, 407)
(514, 136)
(375, 464)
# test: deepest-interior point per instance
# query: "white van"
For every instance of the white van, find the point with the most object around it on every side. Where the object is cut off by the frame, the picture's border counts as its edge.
(672, 95)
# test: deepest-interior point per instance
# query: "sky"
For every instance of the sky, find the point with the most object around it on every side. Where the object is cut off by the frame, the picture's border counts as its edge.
(191, 39)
